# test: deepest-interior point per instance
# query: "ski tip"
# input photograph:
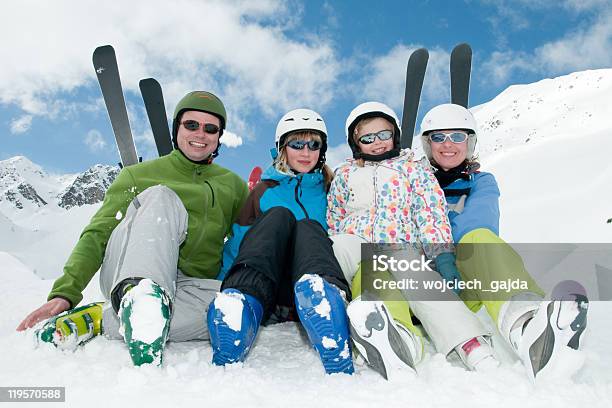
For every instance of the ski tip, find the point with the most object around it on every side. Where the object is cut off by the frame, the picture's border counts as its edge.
(146, 81)
(462, 47)
(254, 177)
(104, 48)
(420, 53)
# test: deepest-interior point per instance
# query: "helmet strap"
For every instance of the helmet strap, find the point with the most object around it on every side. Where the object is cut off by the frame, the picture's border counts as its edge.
(379, 157)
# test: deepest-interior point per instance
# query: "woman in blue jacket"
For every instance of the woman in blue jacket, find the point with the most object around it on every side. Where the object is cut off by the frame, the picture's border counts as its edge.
(280, 259)
(530, 324)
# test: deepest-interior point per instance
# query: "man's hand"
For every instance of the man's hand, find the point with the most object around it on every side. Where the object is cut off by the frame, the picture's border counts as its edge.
(53, 307)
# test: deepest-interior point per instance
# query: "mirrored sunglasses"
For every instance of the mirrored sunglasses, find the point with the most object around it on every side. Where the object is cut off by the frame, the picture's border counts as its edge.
(371, 137)
(299, 144)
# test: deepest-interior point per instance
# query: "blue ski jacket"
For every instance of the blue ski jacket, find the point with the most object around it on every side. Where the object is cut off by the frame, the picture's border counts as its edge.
(303, 194)
(473, 204)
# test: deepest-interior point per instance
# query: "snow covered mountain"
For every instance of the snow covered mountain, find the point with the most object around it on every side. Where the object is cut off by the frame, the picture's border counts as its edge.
(572, 105)
(25, 187)
(88, 187)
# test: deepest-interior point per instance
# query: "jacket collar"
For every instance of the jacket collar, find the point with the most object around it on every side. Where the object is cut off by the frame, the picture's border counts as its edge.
(405, 154)
(185, 165)
(305, 179)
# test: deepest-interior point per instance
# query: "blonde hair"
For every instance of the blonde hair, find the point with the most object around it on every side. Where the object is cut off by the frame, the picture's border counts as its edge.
(282, 164)
(358, 126)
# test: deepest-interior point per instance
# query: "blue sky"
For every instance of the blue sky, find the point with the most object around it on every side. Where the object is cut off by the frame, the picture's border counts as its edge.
(264, 58)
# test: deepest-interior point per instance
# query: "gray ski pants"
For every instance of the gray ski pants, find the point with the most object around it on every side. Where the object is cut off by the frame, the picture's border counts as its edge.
(146, 244)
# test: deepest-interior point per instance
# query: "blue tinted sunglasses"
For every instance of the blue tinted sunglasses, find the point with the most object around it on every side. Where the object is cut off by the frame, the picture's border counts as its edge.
(455, 137)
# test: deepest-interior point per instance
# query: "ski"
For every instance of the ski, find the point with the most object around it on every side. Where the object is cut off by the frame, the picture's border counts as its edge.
(415, 75)
(156, 111)
(105, 64)
(460, 70)
(254, 177)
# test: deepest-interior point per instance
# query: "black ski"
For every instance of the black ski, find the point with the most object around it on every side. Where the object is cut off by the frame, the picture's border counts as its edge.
(105, 64)
(156, 111)
(460, 70)
(415, 75)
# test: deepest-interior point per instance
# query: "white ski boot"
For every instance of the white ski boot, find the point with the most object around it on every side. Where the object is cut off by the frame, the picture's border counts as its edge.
(386, 345)
(540, 332)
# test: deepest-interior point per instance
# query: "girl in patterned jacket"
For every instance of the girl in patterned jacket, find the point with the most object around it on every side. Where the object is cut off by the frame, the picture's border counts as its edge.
(523, 317)
(280, 259)
(383, 196)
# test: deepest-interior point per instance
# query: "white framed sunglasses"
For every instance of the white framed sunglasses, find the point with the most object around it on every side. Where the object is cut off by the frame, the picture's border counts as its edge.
(455, 137)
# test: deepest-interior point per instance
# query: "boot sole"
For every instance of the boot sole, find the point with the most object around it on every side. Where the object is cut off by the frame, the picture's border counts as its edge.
(383, 349)
(336, 357)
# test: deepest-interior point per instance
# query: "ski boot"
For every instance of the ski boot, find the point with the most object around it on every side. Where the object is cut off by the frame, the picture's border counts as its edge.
(233, 321)
(386, 345)
(322, 311)
(72, 328)
(540, 332)
(477, 354)
(144, 322)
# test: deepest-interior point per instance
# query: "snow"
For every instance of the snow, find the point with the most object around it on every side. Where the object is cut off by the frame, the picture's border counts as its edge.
(555, 188)
(329, 343)
(323, 309)
(146, 318)
(231, 305)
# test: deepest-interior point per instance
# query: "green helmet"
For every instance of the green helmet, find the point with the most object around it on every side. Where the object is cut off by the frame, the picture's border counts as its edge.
(198, 101)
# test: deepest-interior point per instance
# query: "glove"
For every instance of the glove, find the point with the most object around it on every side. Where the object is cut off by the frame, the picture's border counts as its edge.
(445, 264)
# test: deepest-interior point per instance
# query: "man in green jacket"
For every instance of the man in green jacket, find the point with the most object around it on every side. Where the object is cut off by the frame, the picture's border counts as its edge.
(157, 240)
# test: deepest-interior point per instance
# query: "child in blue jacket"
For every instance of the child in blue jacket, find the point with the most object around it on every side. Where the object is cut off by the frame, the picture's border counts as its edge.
(280, 258)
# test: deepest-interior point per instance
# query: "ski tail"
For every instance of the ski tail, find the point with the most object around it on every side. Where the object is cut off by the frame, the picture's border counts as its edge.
(254, 177)
(105, 65)
(460, 71)
(153, 98)
(415, 75)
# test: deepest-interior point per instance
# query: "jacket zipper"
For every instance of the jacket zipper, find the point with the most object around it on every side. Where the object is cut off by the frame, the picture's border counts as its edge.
(375, 201)
(212, 192)
(196, 245)
(297, 199)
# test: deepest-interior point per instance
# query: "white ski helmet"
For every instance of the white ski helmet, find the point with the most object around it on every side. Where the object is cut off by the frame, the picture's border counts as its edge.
(302, 119)
(445, 117)
(371, 110)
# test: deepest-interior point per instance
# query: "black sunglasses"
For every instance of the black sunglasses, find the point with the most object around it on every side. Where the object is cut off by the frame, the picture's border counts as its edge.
(299, 144)
(194, 125)
(371, 137)
(455, 137)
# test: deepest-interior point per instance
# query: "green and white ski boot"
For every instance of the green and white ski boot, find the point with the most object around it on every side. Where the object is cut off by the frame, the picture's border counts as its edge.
(144, 322)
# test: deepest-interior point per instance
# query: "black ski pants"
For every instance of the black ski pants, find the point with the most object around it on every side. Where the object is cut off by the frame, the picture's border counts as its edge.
(276, 252)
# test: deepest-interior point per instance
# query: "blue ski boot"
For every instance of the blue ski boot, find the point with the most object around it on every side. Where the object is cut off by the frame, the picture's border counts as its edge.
(322, 312)
(233, 322)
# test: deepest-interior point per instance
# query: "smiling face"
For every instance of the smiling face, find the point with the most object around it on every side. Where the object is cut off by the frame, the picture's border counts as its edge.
(448, 155)
(304, 160)
(198, 145)
(374, 125)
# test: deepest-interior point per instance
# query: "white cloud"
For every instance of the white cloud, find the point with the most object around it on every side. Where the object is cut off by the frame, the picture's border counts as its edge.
(21, 125)
(336, 155)
(230, 139)
(94, 141)
(387, 80)
(237, 49)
